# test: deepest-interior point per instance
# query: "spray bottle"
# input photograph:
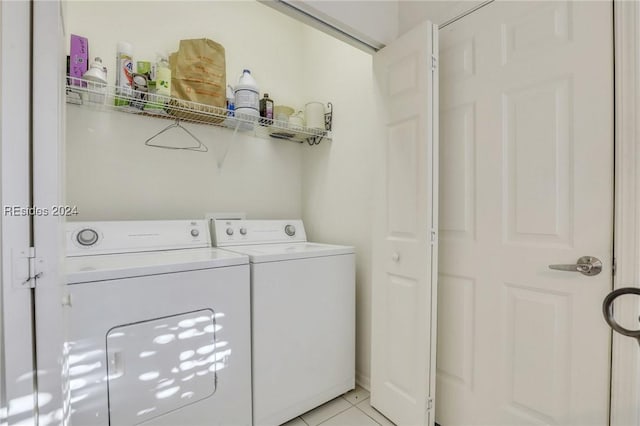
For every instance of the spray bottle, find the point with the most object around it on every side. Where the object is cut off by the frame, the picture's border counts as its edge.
(124, 73)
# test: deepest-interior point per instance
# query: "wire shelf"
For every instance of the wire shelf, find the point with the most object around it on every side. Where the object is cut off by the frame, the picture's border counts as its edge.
(105, 97)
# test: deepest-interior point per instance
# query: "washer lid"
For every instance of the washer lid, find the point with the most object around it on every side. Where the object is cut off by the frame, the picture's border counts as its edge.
(280, 252)
(115, 266)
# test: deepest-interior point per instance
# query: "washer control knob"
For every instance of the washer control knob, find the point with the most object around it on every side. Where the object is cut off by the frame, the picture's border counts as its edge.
(243, 231)
(290, 230)
(87, 237)
(195, 232)
(229, 231)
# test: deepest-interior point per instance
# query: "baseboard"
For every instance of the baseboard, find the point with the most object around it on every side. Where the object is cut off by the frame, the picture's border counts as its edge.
(363, 381)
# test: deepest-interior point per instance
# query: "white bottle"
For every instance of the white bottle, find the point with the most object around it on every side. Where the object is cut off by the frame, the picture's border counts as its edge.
(124, 72)
(96, 78)
(247, 96)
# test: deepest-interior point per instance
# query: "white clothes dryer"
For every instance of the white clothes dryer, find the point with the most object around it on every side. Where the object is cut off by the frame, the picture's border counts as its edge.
(303, 316)
(159, 326)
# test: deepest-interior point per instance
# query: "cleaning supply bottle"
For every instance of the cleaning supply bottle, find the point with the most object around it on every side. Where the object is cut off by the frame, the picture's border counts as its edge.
(247, 97)
(163, 76)
(231, 101)
(96, 78)
(124, 73)
(266, 110)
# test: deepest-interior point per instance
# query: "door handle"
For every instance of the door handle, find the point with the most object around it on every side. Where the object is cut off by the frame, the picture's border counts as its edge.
(607, 310)
(115, 364)
(586, 265)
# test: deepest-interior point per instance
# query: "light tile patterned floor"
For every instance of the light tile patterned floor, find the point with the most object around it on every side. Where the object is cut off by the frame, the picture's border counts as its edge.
(350, 409)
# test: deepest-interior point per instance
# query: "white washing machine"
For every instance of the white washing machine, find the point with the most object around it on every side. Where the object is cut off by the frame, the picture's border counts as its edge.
(159, 326)
(303, 316)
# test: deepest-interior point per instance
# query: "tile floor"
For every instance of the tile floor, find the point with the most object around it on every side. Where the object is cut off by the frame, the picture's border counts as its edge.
(350, 409)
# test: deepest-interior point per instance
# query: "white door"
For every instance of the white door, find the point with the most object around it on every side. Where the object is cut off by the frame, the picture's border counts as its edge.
(526, 162)
(404, 243)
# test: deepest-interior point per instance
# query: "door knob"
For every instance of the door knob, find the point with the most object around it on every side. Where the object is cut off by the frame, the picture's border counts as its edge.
(395, 257)
(586, 265)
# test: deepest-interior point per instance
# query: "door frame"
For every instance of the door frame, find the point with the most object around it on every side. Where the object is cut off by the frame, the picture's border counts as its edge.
(18, 400)
(625, 359)
(32, 340)
(48, 138)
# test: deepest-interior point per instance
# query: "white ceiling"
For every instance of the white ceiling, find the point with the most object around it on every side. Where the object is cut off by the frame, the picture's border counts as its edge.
(374, 22)
(412, 13)
(366, 19)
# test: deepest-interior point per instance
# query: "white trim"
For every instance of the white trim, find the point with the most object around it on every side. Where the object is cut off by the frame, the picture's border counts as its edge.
(17, 405)
(363, 380)
(435, 179)
(48, 186)
(625, 385)
(3, 399)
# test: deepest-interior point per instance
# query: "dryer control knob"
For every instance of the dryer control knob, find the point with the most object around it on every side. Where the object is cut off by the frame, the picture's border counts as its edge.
(195, 232)
(290, 230)
(243, 231)
(229, 231)
(87, 237)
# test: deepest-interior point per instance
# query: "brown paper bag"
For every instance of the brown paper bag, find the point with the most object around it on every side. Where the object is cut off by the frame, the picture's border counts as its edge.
(198, 74)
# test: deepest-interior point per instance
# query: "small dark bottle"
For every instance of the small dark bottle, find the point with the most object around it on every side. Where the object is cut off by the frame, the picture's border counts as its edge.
(266, 110)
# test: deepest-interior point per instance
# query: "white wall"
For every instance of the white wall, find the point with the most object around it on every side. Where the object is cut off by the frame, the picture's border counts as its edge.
(112, 175)
(336, 202)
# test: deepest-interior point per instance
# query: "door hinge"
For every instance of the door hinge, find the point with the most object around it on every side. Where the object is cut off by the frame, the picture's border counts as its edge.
(35, 269)
(434, 63)
(434, 236)
(429, 404)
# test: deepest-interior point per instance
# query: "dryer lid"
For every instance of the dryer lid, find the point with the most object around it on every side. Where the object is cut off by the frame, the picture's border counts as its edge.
(85, 269)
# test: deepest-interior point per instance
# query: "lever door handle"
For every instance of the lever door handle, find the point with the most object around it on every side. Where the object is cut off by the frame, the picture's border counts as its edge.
(586, 265)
